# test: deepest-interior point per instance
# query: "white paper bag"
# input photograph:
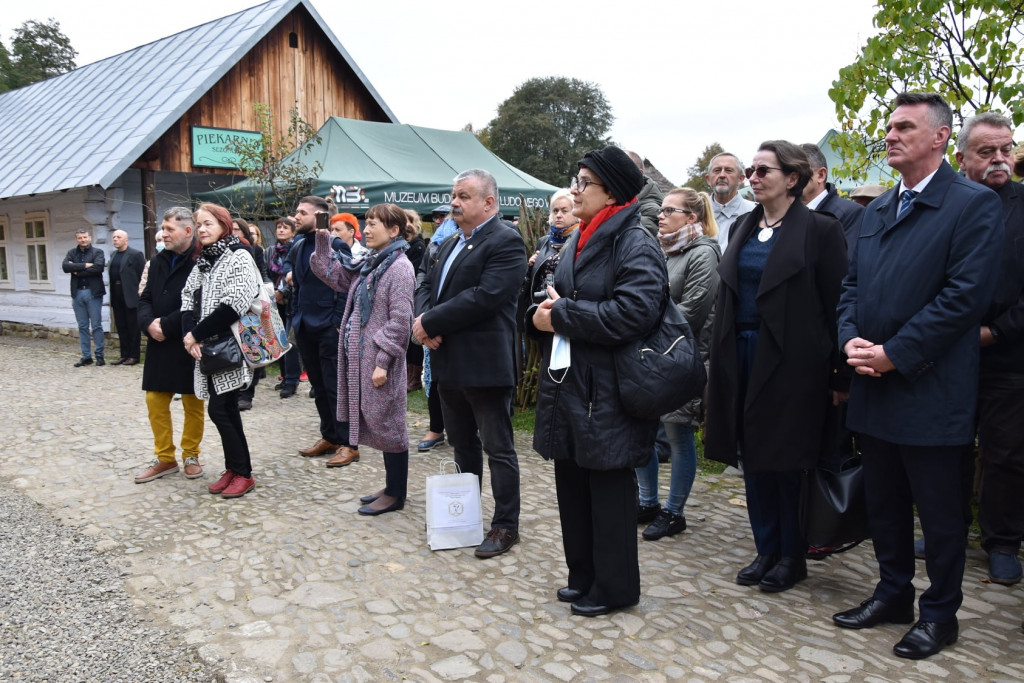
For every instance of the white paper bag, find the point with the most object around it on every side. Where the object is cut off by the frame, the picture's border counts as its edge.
(454, 515)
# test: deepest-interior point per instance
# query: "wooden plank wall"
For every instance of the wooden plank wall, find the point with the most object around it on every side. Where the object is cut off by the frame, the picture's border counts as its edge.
(313, 77)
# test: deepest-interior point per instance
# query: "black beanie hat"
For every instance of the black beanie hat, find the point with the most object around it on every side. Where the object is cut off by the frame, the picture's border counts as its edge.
(616, 170)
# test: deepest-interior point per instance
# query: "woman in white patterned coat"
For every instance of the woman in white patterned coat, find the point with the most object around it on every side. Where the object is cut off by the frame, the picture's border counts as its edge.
(372, 343)
(220, 288)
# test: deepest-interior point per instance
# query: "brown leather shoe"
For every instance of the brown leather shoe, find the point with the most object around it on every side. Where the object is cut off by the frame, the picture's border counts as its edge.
(321, 447)
(156, 470)
(130, 361)
(346, 456)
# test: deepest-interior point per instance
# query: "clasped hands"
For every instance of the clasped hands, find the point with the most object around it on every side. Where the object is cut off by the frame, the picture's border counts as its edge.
(421, 335)
(542, 316)
(867, 358)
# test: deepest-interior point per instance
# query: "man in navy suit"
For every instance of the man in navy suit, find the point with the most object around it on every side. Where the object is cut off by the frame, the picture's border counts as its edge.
(316, 312)
(922, 275)
(465, 310)
(985, 153)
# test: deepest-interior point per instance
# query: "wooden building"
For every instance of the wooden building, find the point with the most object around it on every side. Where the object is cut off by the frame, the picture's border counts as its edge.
(133, 134)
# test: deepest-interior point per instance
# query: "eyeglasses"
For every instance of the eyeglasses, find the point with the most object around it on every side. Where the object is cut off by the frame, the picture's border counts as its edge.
(761, 171)
(669, 210)
(581, 184)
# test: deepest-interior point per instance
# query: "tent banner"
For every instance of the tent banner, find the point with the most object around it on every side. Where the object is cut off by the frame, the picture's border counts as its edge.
(359, 198)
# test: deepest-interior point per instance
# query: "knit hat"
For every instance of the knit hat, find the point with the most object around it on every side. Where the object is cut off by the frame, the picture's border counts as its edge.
(616, 170)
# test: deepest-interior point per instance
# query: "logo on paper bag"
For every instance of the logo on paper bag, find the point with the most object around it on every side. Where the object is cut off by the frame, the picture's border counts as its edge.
(456, 508)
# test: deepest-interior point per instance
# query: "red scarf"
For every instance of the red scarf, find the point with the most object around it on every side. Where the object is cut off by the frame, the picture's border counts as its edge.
(588, 229)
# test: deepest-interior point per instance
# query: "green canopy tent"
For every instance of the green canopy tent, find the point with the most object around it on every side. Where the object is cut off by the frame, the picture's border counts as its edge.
(366, 163)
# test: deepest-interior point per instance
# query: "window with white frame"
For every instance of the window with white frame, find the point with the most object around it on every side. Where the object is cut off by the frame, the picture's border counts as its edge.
(5, 269)
(36, 227)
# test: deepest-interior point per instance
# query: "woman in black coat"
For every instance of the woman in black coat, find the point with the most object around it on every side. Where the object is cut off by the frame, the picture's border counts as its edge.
(775, 367)
(581, 424)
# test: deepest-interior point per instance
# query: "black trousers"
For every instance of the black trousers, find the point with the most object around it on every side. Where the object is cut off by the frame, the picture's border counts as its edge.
(434, 409)
(127, 322)
(223, 411)
(396, 474)
(597, 510)
(478, 420)
(896, 477)
(319, 351)
(1001, 428)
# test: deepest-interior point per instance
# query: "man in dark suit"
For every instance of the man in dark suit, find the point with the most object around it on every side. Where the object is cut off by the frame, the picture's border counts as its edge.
(316, 312)
(821, 195)
(465, 309)
(921, 277)
(985, 153)
(85, 264)
(125, 273)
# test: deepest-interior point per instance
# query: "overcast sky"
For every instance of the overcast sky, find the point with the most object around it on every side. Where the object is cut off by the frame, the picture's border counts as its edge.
(678, 75)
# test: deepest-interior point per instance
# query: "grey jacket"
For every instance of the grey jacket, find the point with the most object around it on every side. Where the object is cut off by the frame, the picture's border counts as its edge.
(650, 198)
(693, 283)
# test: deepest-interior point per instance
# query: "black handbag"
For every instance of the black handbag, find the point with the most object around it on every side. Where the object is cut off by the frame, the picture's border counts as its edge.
(661, 371)
(220, 353)
(833, 511)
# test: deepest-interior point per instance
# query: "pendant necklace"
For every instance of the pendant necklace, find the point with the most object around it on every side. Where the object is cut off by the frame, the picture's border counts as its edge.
(768, 230)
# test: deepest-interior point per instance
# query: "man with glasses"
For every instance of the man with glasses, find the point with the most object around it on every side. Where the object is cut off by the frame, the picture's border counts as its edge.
(920, 280)
(465, 308)
(725, 175)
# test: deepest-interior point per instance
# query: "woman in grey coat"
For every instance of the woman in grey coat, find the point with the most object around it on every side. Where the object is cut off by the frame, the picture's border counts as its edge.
(688, 235)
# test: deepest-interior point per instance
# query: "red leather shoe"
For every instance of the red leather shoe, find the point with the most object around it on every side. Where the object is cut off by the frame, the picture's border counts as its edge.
(222, 483)
(239, 486)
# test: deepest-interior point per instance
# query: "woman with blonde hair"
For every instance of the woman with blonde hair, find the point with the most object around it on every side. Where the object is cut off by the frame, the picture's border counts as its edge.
(687, 232)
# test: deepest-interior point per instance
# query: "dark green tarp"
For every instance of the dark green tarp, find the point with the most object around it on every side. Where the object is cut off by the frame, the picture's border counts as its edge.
(366, 163)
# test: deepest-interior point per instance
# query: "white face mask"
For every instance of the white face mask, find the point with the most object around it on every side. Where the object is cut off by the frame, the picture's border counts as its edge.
(560, 354)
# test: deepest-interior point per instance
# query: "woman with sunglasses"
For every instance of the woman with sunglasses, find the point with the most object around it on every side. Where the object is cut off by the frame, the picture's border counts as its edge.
(608, 289)
(775, 367)
(688, 235)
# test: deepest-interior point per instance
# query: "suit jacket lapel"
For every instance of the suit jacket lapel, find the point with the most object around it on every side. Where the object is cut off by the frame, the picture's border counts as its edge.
(472, 243)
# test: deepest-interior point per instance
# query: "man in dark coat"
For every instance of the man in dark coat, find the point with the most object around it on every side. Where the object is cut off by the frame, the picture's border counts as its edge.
(85, 263)
(465, 309)
(984, 152)
(168, 369)
(821, 195)
(316, 312)
(126, 266)
(922, 275)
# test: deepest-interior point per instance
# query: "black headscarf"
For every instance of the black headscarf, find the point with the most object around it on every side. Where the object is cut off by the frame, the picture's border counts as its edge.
(616, 170)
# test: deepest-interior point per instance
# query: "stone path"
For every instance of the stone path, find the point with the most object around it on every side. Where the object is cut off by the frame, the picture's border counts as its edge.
(290, 584)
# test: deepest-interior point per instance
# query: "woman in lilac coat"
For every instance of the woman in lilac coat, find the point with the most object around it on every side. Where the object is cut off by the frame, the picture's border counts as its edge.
(373, 339)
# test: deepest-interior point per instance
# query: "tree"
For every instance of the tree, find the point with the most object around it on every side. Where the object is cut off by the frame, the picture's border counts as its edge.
(698, 172)
(548, 124)
(39, 50)
(970, 51)
(265, 161)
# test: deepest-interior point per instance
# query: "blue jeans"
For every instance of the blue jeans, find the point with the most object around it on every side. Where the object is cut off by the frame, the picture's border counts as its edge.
(89, 314)
(684, 470)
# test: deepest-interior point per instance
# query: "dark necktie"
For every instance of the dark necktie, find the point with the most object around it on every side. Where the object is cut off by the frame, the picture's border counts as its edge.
(906, 201)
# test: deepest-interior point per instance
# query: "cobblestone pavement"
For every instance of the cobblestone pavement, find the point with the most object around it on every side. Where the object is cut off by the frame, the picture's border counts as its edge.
(289, 583)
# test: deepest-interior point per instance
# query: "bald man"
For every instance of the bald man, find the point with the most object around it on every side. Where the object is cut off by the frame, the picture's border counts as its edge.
(125, 272)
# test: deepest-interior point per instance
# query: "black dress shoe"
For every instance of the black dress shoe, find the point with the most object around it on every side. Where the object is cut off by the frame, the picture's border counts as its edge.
(287, 391)
(873, 612)
(83, 362)
(585, 608)
(788, 572)
(498, 541)
(569, 594)
(370, 498)
(100, 362)
(926, 638)
(753, 573)
(370, 512)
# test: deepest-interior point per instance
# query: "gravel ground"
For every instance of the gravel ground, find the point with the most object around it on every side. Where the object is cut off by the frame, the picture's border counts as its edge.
(64, 613)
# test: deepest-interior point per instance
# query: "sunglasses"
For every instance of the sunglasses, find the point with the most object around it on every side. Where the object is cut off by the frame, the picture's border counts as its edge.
(760, 171)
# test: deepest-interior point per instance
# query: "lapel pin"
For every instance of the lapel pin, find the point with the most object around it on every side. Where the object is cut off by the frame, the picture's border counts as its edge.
(469, 246)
